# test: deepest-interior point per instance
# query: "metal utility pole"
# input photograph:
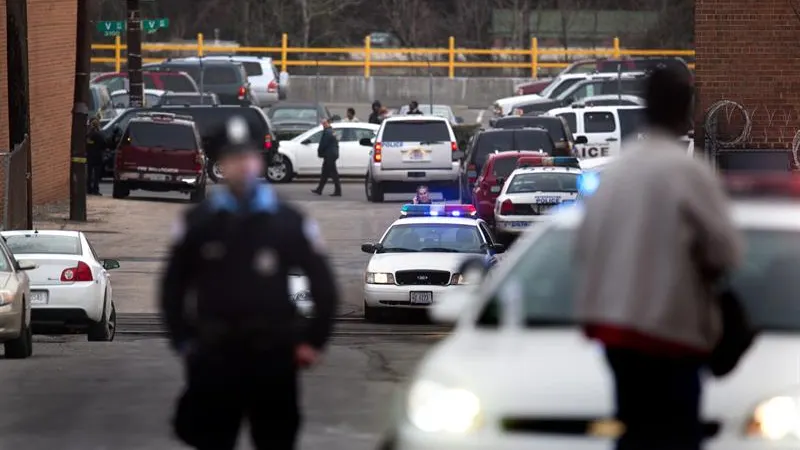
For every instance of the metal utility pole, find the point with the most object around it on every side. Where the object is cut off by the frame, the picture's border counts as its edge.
(80, 114)
(136, 89)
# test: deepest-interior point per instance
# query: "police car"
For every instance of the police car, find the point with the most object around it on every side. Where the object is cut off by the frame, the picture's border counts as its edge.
(517, 372)
(417, 259)
(530, 193)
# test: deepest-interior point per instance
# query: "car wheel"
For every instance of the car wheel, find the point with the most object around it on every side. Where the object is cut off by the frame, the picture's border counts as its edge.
(280, 170)
(106, 328)
(215, 171)
(199, 194)
(120, 190)
(373, 190)
(372, 314)
(21, 347)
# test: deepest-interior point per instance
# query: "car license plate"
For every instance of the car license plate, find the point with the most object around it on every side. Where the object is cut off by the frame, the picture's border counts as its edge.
(156, 177)
(520, 224)
(416, 174)
(421, 298)
(38, 297)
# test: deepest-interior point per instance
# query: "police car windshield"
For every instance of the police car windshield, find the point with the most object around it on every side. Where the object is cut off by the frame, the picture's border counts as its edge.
(432, 237)
(767, 283)
(543, 182)
(167, 136)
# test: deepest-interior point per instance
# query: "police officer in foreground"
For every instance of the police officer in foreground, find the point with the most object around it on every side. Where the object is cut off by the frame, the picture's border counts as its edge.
(241, 338)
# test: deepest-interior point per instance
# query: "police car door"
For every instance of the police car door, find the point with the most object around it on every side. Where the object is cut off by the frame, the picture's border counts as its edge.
(600, 126)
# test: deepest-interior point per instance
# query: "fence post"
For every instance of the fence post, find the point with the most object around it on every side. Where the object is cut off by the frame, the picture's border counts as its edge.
(367, 56)
(534, 58)
(616, 48)
(199, 44)
(284, 51)
(451, 72)
(117, 53)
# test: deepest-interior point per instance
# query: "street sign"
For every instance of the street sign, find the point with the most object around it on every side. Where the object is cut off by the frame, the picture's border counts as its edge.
(116, 27)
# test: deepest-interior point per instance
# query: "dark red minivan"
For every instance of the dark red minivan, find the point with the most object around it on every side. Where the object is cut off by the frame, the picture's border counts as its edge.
(160, 152)
(490, 182)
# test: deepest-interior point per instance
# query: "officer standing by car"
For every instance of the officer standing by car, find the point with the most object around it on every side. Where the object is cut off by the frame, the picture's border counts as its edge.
(375, 115)
(241, 338)
(413, 109)
(95, 146)
(328, 150)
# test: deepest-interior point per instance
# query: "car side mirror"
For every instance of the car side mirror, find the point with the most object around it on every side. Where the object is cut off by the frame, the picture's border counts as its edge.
(366, 142)
(26, 265)
(369, 247)
(336, 118)
(306, 142)
(499, 248)
(581, 140)
(110, 264)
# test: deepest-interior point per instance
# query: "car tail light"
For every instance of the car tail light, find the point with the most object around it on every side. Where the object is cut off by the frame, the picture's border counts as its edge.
(507, 207)
(376, 154)
(272, 86)
(472, 173)
(242, 92)
(268, 142)
(454, 146)
(81, 272)
(198, 162)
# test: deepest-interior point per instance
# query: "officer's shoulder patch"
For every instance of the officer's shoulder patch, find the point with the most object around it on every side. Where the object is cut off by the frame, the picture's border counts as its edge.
(313, 235)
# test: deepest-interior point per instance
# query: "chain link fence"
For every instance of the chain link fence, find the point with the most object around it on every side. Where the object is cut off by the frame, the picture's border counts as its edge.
(14, 175)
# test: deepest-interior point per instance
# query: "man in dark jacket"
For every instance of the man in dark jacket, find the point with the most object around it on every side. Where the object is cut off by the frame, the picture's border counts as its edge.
(375, 115)
(413, 108)
(328, 150)
(95, 147)
(241, 337)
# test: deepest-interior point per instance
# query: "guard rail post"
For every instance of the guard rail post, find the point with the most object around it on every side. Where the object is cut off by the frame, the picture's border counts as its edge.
(117, 54)
(451, 49)
(534, 58)
(284, 51)
(200, 44)
(367, 56)
(616, 48)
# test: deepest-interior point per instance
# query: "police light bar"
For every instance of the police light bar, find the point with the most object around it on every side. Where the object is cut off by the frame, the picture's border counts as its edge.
(411, 210)
(588, 182)
(549, 161)
(764, 184)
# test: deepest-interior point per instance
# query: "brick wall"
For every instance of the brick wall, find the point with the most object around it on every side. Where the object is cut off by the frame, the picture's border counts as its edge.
(4, 139)
(747, 52)
(51, 59)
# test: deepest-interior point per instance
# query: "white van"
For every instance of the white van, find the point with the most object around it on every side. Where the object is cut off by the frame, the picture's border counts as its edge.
(600, 130)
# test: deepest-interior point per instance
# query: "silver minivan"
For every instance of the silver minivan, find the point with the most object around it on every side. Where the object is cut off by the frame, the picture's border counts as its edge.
(266, 83)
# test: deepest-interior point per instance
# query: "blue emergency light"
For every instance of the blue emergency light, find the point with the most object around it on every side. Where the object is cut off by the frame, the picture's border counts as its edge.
(549, 161)
(588, 182)
(411, 210)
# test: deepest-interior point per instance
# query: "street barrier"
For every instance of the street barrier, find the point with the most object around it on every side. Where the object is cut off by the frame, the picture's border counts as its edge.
(14, 201)
(367, 57)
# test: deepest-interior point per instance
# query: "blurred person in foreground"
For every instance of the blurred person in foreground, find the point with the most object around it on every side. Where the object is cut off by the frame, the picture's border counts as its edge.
(328, 151)
(656, 239)
(95, 147)
(350, 115)
(239, 335)
(375, 115)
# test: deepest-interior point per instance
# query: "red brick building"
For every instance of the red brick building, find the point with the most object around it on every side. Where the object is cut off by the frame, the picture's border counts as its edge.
(748, 52)
(51, 73)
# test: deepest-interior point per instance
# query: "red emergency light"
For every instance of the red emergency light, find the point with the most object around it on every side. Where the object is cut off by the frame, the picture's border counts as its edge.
(763, 184)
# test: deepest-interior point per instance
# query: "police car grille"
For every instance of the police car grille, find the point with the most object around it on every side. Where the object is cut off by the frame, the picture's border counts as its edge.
(422, 277)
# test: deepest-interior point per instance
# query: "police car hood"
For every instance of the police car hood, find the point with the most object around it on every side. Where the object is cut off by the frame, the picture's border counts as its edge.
(556, 372)
(391, 262)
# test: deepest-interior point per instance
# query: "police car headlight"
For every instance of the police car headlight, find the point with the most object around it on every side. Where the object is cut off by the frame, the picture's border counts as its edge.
(379, 278)
(434, 407)
(776, 419)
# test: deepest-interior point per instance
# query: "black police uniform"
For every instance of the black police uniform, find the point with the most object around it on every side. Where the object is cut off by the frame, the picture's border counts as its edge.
(240, 334)
(95, 147)
(328, 150)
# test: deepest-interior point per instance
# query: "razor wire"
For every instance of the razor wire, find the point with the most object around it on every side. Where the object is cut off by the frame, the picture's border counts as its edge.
(796, 148)
(728, 107)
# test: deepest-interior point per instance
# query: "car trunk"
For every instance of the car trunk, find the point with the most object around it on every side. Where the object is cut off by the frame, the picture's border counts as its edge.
(156, 147)
(49, 268)
(417, 145)
(223, 80)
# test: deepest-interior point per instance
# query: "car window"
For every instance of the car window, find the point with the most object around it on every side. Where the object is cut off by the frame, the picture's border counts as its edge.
(252, 69)
(450, 238)
(558, 90)
(488, 143)
(599, 122)
(416, 131)
(314, 138)
(631, 121)
(583, 67)
(581, 92)
(216, 75)
(178, 83)
(502, 167)
(116, 84)
(34, 243)
(533, 140)
(571, 119)
(163, 135)
(543, 182)
(192, 70)
(91, 249)
(363, 133)
(150, 83)
(301, 114)
(124, 99)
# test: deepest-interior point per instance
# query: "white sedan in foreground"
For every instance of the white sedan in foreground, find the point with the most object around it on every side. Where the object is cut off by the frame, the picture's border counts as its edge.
(70, 287)
(517, 372)
(298, 156)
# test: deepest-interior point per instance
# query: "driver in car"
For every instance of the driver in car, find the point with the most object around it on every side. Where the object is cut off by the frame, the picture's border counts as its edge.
(423, 196)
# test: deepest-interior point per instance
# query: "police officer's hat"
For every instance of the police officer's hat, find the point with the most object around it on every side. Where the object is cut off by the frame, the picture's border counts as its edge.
(237, 138)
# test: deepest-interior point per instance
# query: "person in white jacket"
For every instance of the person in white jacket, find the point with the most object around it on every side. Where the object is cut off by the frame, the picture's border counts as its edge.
(656, 237)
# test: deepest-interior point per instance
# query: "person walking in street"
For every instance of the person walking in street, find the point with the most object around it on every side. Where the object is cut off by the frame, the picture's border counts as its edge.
(413, 109)
(375, 115)
(95, 149)
(350, 116)
(655, 241)
(238, 334)
(328, 151)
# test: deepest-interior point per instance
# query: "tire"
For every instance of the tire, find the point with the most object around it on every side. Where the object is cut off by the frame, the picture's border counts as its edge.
(373, 190)
(106, 328)
(372, 314)
(199, 194)
(120, 190)
(280, 170)
(21, 347)
(214, 172)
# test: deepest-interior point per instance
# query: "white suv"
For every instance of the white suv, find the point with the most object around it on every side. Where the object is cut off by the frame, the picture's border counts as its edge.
(410, 151)
(266, 83)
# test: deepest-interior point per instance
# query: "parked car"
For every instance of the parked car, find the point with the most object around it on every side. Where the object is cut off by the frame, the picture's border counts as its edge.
(16, 332)
(121, 99)
(188, 98)
(292, 119)
(612, 100)
(165, 80)
(100, 105)
(227, 79)
(557, 128)
(505, 106)
(585, 67)
(643, 65)
(298, 156)
(438, 111)
(266, 83)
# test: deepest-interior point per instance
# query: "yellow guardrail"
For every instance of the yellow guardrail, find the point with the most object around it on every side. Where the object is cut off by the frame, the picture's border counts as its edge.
(534, 53)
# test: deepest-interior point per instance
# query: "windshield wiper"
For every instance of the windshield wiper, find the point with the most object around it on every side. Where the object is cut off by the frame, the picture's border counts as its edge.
(439, 249)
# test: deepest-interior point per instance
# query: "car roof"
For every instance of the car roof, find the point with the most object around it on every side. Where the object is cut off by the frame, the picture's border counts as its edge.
(508, 154)
(67, 233)
(534, 169)
(569, 109)
(340, 124)
(415, 118)
(235, 58)
(189, 94)
(191, 62)
(434, 220)
(146, 91)
(526, 118)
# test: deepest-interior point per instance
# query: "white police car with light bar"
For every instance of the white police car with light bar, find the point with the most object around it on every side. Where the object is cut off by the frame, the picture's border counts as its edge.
(416, 261)
(531, 193)
(518, 372)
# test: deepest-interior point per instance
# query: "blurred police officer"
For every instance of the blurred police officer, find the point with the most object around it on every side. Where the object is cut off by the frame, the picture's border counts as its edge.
(328, 150)
(240, 336)
(95, 147)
